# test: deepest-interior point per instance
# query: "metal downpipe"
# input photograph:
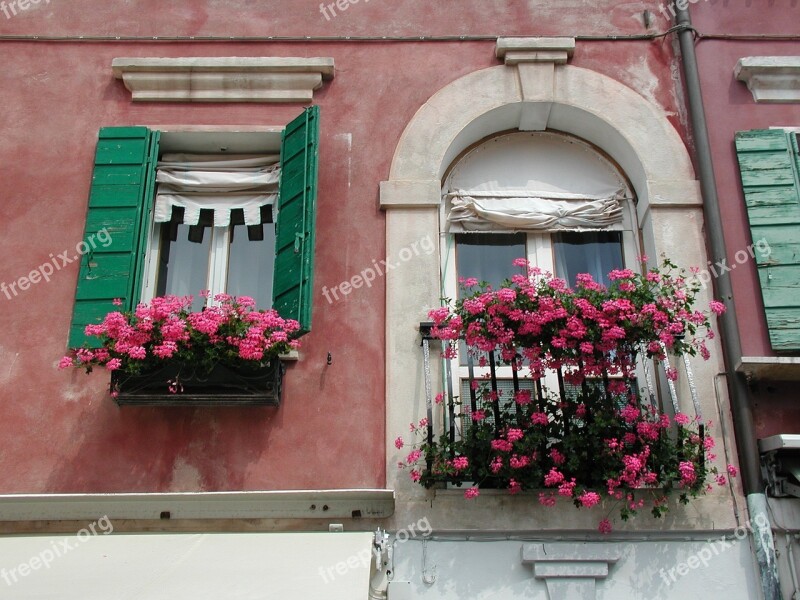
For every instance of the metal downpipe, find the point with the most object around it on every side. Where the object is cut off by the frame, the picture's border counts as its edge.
(746, 443)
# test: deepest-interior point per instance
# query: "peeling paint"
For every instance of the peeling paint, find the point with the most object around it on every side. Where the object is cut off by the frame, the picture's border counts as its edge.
(8, 374)
(348, 140)
(185, 476)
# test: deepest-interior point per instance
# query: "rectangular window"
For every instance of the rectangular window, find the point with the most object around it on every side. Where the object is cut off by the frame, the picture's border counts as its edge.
(272, 261)
(200, 257)
(202, 201)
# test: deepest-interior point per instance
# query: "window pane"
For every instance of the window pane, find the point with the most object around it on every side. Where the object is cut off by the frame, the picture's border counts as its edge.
(250, 265)
(183, 265)
(596, 253)
(489, 256)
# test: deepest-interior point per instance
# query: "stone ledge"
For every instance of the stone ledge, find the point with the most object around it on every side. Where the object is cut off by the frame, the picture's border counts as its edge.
(568, 553)
(223, 79)
(770, 368)
(570, 570)
(771, 79)
(410, 194)
(283, 504)
(555, 50)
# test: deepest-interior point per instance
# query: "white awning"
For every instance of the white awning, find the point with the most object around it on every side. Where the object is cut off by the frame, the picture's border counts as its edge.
(221, 205)
(168, 566)
(221, 183)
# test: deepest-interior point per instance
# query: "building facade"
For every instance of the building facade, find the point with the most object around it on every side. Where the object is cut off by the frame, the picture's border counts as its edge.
(752, 138)
(378, 117)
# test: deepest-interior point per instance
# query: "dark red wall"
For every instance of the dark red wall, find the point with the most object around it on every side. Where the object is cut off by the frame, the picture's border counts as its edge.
(730, 108)
(61, 432)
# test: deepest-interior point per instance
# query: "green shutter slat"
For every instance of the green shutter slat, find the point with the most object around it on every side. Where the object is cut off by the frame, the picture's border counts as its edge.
(121, 151)
(780, 285)
(766, 169)
(104, 275)
(770, 165)
(122, 132)
(115, 195)
(117, 216)
(770, 206)
(293, 280)
(784, 327)
(760, 140)
(117, 223)
(781, 245)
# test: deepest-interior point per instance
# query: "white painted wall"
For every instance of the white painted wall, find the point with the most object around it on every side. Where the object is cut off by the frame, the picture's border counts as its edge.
(478, 570)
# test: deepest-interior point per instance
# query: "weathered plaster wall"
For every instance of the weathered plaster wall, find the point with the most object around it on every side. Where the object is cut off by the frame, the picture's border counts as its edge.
(62, 432)
(730, 108)
(621, 123)
(492, 569)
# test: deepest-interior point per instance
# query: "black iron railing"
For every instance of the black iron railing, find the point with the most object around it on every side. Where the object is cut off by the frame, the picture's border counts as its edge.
(467, 401)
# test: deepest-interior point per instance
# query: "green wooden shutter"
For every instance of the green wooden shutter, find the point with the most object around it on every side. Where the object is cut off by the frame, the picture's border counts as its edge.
(120, 200)
(770, 163)
(293, 280)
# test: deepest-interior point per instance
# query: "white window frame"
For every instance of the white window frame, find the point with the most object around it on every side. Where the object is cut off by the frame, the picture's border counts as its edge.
(266, 140)
(540, 253)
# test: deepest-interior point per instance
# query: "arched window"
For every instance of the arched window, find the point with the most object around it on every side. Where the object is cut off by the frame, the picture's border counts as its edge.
(548, 197)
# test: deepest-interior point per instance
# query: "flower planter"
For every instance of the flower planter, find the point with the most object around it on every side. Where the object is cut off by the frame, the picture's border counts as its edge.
(223, 386)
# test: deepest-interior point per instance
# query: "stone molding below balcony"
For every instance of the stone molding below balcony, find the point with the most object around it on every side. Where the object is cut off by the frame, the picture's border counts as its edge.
(570, 570)
(223, 79)
(771, 79)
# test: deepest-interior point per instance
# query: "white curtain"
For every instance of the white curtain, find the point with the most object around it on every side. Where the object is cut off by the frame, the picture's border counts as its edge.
(218, 182)
(543, 211)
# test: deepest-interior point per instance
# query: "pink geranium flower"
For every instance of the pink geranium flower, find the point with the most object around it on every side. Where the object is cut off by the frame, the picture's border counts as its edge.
(231, 332)
(594, 434)
(717, 307)
(605, 526)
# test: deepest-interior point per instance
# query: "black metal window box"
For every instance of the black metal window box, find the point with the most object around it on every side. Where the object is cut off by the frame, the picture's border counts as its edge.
(222, 386)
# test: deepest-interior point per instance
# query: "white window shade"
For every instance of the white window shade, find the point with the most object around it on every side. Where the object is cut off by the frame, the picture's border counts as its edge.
(221, 183)
(534, 181)
(539, 212)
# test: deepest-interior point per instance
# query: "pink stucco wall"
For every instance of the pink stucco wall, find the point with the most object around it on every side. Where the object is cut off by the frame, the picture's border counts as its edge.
(61, 432)
(730, 108)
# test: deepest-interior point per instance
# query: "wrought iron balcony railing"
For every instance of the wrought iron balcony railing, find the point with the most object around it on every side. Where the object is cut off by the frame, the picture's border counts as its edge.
(482, 381)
